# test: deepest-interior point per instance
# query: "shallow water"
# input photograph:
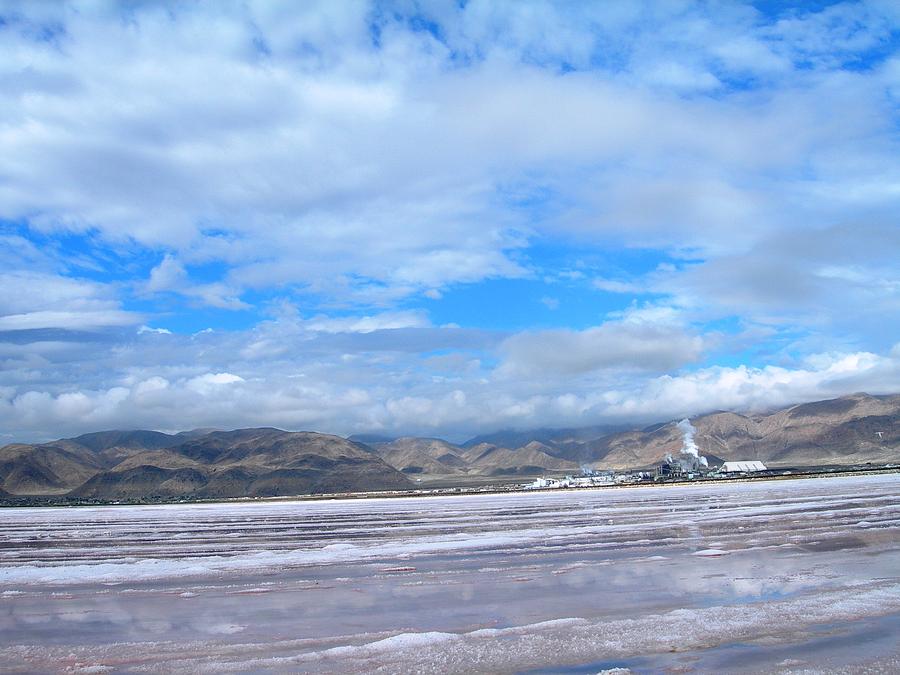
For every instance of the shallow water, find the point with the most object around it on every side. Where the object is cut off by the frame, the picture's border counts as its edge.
(774, 576)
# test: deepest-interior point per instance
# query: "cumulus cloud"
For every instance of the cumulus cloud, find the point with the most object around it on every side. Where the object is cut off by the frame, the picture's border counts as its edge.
(833, 278)
(171, 276)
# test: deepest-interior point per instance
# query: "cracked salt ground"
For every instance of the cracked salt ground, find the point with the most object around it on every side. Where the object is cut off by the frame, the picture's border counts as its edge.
(786, 576)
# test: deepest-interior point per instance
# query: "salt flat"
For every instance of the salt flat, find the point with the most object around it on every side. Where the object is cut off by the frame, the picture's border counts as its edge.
(777, 576)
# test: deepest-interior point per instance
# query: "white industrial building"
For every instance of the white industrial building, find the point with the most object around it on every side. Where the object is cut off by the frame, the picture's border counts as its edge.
(742, 467)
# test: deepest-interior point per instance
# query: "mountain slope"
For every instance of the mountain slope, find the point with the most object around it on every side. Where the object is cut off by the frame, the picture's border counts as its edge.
(244, 462)
(531, 459)
(423, 456)
(849, 430)
(145, 440)
(562, 443)
(108, 448)
(44, 469)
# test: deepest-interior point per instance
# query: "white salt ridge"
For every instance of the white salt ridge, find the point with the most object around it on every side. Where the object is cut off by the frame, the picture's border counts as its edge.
(401, 642)
(541, 625)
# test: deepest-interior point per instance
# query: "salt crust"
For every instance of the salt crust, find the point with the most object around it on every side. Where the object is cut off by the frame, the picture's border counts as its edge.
(117, 568)
(583, 641)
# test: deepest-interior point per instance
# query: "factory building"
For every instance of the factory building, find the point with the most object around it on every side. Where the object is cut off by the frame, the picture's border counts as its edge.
(680, 470)
(742, 467)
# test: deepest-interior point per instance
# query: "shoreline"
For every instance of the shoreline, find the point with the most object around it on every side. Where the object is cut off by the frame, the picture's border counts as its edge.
(517, 488)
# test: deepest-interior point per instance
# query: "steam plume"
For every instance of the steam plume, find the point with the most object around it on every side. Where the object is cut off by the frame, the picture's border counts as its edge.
(688, 446)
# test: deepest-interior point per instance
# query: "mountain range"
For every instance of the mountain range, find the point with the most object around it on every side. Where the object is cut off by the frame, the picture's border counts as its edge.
(200, 464)
(205, 463)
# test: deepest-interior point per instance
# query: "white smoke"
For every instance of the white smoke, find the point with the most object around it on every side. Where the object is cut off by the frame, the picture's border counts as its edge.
(689, 447)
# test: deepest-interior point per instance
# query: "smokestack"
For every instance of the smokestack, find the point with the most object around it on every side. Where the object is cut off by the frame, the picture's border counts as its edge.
(688, 446)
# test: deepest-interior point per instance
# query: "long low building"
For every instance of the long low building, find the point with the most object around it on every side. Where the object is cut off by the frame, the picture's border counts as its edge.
(742, 467)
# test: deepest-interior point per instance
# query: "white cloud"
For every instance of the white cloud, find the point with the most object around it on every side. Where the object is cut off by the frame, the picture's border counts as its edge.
(158, 331)
(171, 276)
(367, 324)
(73, 320)
(207, 381)
(834, 278)
(550, 303)
(167, 276)
(33, 300)
(615, 345)
(617, 286)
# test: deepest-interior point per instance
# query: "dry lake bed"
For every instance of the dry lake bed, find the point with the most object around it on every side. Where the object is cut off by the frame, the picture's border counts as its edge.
(775, 576)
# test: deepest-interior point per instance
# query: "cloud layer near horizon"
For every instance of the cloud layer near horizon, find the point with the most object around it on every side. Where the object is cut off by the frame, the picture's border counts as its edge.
(299, 374)
(714, 188)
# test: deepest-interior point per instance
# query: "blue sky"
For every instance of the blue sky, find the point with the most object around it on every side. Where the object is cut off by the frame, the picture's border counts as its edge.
(443, 218)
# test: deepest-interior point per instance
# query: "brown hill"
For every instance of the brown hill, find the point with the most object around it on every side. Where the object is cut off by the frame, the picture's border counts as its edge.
(474, 452)
(140, 439)
(557, 439)
(529, 460)
(111, 447)
(143, 482)
(164, 459)
(44, 469)
(423, 456)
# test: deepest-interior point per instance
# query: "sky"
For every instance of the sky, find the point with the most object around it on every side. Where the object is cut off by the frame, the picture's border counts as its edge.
(443, 218)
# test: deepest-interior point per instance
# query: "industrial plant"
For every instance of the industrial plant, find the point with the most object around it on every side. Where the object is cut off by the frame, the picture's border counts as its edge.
(688, 464)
